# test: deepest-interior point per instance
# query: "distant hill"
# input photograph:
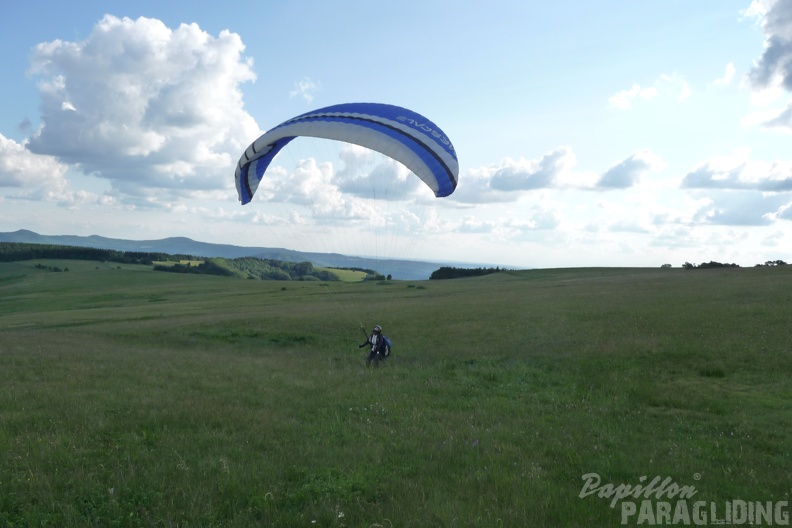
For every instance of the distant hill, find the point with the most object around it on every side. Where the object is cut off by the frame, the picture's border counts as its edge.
(398, 269)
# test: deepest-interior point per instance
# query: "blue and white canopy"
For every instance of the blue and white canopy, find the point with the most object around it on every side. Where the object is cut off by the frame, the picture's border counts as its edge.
(399, 133)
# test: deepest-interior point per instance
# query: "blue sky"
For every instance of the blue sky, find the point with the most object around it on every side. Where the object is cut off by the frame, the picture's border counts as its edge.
(614, 133)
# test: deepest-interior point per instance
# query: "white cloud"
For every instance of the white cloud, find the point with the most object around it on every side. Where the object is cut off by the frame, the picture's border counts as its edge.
(745, 208)
(365, 172)
(773, 239)
(628, 172)
(528, 175)
(370, 189)
(781, 121)
(505, 228)
(739, 190)
(535, 219)
(740, 172)
(778, 119)
(771, 75)
(21, 168)
(628, 226)
(673, 85)
(728, 76)
(473, 225)
(145, 106)
(623, 100)
(759, 117)
(774, 68)
(305, 88)
(508, 180)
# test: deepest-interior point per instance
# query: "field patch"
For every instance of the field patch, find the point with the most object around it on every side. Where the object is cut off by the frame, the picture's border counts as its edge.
(182, 262)
(135, 398)
(347, 275)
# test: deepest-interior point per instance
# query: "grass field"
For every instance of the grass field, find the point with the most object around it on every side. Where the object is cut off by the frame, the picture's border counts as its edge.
(347, 275)
(135, 398)
(184, 262)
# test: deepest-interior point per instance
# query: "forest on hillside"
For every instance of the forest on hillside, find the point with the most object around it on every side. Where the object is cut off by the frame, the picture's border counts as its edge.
(252, 268)
(242, 267)
(450, 272)
(15, 251)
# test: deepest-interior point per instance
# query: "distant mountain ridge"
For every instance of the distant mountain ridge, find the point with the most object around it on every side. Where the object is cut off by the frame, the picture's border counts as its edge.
(399, 269)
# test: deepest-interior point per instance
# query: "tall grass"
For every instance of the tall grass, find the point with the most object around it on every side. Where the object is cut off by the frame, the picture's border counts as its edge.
(135, 398)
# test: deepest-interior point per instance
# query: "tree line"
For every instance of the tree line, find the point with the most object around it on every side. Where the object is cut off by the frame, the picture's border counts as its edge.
(450, 272)
(13, 251)
(714, 264)
(253, 268)
(245, 267)
(710, 264)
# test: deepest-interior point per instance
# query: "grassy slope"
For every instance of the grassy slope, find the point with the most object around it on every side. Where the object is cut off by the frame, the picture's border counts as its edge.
(134, 398)
(347, 275)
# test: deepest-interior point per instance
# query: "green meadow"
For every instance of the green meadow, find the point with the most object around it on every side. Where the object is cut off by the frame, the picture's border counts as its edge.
(135, 398)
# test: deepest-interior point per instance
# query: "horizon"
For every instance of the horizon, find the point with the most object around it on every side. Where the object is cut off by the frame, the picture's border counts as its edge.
(266, 248)
(451, 263)
(608, 135)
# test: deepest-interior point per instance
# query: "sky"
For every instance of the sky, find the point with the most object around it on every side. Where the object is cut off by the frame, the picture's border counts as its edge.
(611, 133)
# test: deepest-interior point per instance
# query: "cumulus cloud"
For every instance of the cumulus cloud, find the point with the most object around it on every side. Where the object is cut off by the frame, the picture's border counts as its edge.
(530, 220)
(476, 226)
(312, 187)
(776, 119)
(305, 89)
(781, 121)
(728, 76)
(339, 178)
(740, 208)
(774, 67)
(739, 190)
(624, 99)
(740, 172)
(145, 106)
(367, 173)
(21, 168)
(535, 219)
(666, 85)
(771, 74)
(784, 212)
(528, 175)
(508, 180)
(627, 173)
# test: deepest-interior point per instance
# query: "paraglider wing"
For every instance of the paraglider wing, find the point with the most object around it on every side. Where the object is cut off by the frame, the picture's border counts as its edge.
(397, 132)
